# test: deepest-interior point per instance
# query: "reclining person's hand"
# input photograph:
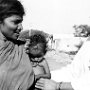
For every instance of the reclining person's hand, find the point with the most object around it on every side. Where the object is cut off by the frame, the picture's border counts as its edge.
(47, 84)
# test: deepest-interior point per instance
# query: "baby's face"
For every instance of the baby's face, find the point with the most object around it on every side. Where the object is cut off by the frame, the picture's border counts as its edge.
(36, 50)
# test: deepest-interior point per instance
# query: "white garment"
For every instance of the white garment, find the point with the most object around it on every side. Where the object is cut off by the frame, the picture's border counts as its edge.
(78, 72)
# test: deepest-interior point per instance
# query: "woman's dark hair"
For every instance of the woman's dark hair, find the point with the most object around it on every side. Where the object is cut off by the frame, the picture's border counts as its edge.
(10, 7)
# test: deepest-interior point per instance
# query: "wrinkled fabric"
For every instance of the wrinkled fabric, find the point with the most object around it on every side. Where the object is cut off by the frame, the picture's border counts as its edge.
(15, 68)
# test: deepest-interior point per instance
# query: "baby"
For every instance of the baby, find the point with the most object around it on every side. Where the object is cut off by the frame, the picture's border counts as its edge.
(36, 47)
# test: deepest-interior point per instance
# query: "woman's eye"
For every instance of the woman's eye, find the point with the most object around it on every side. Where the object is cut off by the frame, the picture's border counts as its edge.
(17, 21)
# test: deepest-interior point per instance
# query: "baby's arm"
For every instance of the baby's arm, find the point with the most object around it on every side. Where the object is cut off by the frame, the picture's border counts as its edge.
(47, 74)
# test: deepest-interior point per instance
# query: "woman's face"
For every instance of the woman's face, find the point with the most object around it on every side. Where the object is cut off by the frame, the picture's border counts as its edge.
(11, 26)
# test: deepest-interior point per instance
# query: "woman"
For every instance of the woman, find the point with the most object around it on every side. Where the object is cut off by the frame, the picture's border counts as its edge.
(15, 68)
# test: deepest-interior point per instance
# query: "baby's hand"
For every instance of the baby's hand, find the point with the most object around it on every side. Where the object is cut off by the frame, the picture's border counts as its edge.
(37, 77)
(40, 84)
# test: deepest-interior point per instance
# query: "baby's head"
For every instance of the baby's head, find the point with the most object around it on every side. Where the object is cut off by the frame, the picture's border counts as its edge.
(38, 46)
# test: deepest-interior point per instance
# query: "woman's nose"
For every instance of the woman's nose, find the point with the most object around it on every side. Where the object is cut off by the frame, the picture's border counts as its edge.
(20, 27)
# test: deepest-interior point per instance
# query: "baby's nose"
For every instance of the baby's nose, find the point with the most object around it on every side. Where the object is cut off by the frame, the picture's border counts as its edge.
(36, 47)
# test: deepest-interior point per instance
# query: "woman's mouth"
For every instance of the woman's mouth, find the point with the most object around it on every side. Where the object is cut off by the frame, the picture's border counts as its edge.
(17, 35)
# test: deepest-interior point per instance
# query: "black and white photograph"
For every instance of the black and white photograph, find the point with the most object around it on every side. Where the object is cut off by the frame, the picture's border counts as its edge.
(44, 45)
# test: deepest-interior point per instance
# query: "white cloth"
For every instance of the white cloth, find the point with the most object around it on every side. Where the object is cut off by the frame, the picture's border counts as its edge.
(78, 72)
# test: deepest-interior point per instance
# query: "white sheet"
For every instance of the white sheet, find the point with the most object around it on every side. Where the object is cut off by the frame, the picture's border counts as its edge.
(78, 72)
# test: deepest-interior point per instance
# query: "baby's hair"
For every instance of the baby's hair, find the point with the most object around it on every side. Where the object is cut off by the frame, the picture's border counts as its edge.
(37, 38)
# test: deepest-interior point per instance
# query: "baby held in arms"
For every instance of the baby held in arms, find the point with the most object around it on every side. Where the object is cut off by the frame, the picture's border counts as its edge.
(36, 47)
